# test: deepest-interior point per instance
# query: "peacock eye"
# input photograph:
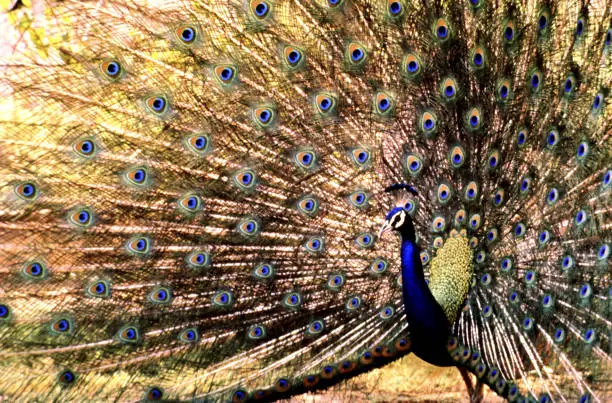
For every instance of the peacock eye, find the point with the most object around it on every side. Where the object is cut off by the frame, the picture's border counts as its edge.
(81, 217)
(85, 148)
(225, 74)
(263, 271)
(129, 334)
(414, 164)
(335, 281)
(190, 203)
(27, 191)
(260, 9)
(198, 144)
(186, 34)
(35, 270)
(98, 289)
(160, 295)
(365, 240)
(62, 325)
(245, 179)
(379, 266)
(305, 159)
(154, 394)
(386, 312)
(137, 176)
(314, 245)
(358, 199)
(292, 300)
(394, 8)
(66, 378)
(139, 245)
(111, 69)
(356, 53)
(411, 65)
(257, 332)
(157, 104)
(249, 227)
(223, 299)
(353, 303)
(190, 335)
(308, 205)
(263, 116)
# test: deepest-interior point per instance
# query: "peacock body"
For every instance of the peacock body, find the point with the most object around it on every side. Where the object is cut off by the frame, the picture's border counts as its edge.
(191, 194)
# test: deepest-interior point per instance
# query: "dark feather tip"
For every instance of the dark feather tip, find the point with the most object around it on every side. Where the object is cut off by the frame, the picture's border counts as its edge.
(398, 186)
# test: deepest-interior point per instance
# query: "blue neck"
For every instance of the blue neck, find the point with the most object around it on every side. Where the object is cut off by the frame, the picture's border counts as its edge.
(428, 326)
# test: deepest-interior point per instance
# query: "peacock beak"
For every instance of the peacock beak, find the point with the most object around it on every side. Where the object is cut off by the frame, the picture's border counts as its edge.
(386, 227)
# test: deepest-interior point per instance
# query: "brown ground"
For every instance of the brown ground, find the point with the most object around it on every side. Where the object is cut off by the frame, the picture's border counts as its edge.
(407, 380)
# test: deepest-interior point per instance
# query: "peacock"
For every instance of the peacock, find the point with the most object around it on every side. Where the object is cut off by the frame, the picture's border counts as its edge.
(241, 200)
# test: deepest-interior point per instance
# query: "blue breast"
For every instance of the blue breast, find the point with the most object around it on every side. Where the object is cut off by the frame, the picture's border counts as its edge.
(428, 326)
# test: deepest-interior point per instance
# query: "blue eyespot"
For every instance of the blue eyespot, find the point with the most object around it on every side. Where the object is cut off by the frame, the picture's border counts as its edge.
(379, 266)
(315, 327)
(528, 323)
(579, 27)
(223, 299)
(569, 85)
(225, 74)
(503, 91)
(559, 335)
(260, 8)
(62, 325)
(547, 301)
(361, 157)
(386, 312)
(481, 257)
(509, 32)
(567, 262)
(154, 394)
(129, 334)
(530, 277)
(395, 8)
(553, 196)
(525, 185)
(514, 297)
(506, 264)
(581, 217)
(358, 199)
(190, 335)
(585, 291)
(248, 227)
(35, 270)
(26, 191)
(542, 22)
(353, 303)
(188, 35)
(139, 245)
(5, 312)
(597, 103)
(521, 137)
(157, 104)
(257, 332)
(66, 378)
(292, 300)
(414, 163)
(160, 295)
(520, 229)
(365, 240)
(603, 252)
(294, 57)
(98, 289)
(335, 281)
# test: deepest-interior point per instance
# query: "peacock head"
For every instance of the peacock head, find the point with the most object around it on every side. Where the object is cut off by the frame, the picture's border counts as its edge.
(398, 219)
